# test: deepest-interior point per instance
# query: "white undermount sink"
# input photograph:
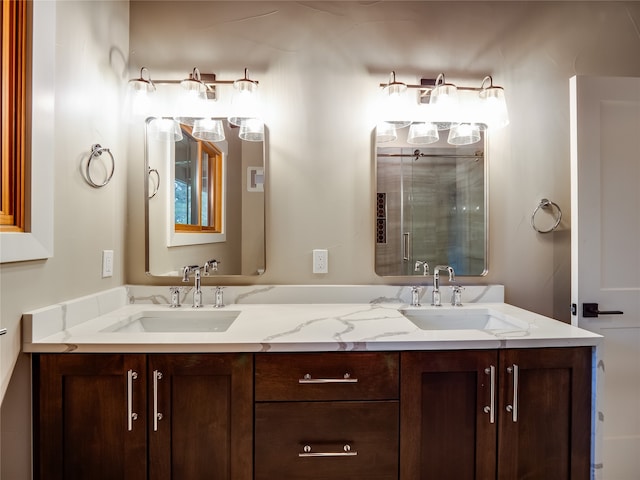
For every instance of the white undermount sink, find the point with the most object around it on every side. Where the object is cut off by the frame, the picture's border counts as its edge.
(463, 318)
(176, 320)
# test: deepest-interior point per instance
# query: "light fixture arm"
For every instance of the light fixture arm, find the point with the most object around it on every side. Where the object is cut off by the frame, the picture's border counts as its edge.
(484, 80)
(141, 83)
(148, 79)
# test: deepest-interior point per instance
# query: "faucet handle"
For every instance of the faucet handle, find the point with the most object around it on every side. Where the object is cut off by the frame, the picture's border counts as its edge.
(219, 297)
(456, 295)
(415, 295)
(211, 266)
(175, 296)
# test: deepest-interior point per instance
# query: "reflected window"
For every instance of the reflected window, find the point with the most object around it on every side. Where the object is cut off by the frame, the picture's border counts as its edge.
(198, 185)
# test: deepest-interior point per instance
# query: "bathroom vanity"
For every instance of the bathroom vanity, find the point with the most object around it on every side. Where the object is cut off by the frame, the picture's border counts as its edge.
(311, 391)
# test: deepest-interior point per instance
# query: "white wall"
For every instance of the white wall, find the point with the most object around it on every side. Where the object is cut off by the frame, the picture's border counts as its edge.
(91, 55)
(319, 65)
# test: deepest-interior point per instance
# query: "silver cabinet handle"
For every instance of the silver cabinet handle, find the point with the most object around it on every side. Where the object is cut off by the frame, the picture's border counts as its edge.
(131, 415)
(491, 408)
(346, 452)
(3, 331)
(307, 379)
(157, 375)
(513, 409)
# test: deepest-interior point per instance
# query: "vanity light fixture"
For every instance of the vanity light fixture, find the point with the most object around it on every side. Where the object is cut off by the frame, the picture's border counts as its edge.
(166, 129)
(193, 98)
(464, 134)
(197, 92)
(208, 129)
(243, 102)
(459, 108)
(445, 94)
(395, 103)
(252, 130)
(494, 103)
(194, 85)
(386, 132)
(423, 133)
(138, 91)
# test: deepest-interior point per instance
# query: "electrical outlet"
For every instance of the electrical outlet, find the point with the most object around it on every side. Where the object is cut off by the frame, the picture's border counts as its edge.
(320, 261)
(107, 263)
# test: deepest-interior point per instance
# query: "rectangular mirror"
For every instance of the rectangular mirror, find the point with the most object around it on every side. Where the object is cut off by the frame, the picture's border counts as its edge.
(205, 200)
(431, 205)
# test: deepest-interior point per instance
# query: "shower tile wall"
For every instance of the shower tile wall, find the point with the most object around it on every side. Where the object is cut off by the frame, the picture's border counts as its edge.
(441, 199)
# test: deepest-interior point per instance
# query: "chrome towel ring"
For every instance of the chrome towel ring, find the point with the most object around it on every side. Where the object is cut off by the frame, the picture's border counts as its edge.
(96, 151)
(546, 204)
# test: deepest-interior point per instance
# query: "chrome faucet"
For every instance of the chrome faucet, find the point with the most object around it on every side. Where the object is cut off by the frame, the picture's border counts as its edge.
(435, 295)
(211, 266)
(424, 265)
(197, 293)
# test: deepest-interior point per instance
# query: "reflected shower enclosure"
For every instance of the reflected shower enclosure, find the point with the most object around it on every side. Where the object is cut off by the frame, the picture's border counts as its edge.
(431, 207)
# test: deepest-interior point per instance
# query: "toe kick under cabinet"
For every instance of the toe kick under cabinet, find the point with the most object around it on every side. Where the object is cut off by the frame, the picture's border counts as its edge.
(465, 415)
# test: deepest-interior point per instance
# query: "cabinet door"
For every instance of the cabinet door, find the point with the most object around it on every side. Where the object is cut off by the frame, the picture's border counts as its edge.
(448, 428)
(545, 421)
(89, 412)
(201, 416)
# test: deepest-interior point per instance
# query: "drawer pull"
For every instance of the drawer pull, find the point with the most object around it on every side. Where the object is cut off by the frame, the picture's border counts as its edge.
(307, 379)
(346, 452)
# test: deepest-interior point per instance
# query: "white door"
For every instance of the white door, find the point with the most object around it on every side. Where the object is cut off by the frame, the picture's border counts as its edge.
(605, 257)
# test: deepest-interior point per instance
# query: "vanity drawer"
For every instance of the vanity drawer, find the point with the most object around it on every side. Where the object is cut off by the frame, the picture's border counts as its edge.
(326, 440)
(326, 376)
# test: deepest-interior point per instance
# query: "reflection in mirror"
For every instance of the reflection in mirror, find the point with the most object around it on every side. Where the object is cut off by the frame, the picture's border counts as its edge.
(431, 206)
(205, 200)
(198, 200)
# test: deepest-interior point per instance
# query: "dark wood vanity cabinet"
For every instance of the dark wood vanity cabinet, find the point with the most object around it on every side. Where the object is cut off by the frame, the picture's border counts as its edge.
(478, 414)
(120, 416)
(327, 416)
(505, 414)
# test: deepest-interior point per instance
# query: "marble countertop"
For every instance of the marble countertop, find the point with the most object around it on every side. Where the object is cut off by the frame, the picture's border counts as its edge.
(284, 327)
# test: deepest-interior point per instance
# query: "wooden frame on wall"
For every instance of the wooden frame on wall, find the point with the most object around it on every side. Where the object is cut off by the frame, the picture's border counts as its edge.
(15, 107)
